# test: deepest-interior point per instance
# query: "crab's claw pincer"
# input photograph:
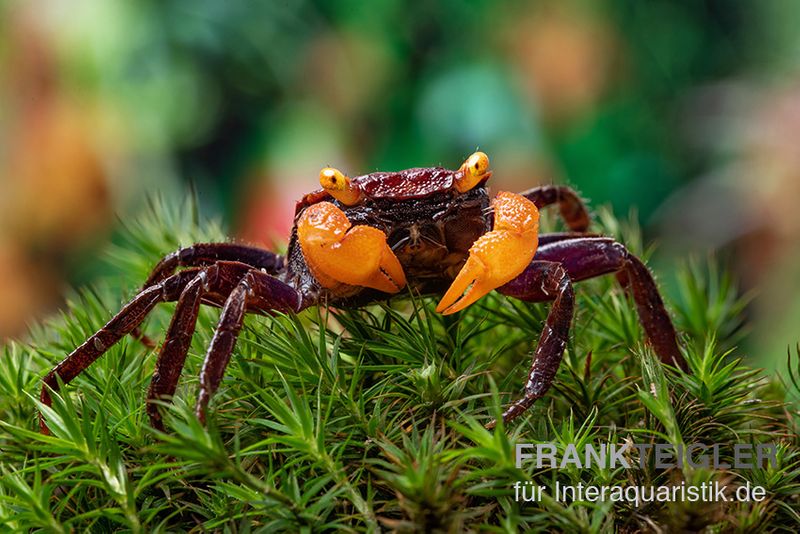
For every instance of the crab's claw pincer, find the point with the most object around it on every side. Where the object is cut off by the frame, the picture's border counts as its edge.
(338, 253)
(497, 257)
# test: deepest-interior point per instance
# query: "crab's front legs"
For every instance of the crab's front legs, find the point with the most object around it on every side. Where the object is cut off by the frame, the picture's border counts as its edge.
(498, 256)
(340, 254)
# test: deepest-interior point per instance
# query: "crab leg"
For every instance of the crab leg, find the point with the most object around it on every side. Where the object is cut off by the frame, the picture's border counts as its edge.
(575, 260)
(339, 253)
(544, 281)
(572, 209)
(211, 284)
(203, 254)
(497, 257)
(173, 352)
(257, 290)
(128, 318)
(221, 348)
(594, 256)
(547, 239)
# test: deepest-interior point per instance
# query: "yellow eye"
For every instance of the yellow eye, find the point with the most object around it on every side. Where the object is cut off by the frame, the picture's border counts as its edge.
(473, 171)
(339, 186)
(478, 163)
(332, 179)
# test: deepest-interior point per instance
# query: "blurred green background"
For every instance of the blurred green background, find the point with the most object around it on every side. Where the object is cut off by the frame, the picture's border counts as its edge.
(688, 112)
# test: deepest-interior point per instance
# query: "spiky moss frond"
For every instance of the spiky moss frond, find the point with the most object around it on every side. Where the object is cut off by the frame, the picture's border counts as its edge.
(370, 419)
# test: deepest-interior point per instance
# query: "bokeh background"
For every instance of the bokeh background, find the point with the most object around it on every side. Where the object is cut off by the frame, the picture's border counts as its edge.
(686, 112)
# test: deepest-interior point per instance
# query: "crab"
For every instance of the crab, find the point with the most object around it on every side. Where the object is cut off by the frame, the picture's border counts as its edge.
(360, 240)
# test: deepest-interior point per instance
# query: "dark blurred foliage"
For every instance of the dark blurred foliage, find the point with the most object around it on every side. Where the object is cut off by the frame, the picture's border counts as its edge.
(592, 91)
(105, 103)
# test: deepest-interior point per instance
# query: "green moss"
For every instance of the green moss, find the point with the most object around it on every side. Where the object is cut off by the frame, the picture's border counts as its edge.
(373, 418)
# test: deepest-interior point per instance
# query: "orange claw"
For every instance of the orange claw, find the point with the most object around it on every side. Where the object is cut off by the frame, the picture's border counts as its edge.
(340, 254)
(497, 257)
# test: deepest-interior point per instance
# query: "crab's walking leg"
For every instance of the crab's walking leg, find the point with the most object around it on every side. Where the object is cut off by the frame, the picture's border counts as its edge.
(131, 315)
(572, 209)
(209, 253)
(580, 259)
(258, 291)
(203, 254)
(552, 237)
(222, 344)
(545, 281)
(213, 284)
(591, 257)
(176, 346)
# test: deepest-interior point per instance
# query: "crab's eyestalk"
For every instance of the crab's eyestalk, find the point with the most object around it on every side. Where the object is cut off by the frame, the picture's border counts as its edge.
(472, 172)
(337, 253)
(339, 186)
(497, 257)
